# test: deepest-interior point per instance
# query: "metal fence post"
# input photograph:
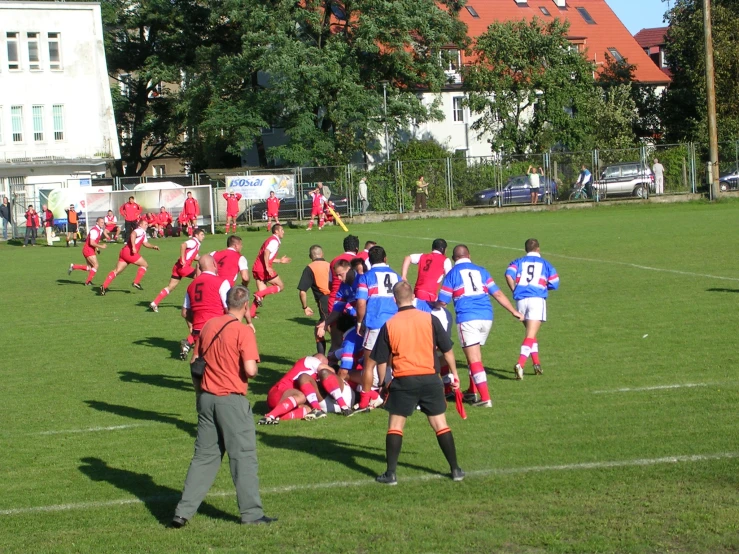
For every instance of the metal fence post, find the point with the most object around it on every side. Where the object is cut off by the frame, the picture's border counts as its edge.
(398, 175)
(449, 183)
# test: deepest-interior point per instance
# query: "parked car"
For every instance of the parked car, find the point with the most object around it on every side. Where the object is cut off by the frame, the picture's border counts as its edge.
(729, 181)
(289, 207)
(515, 191)
(626, 178)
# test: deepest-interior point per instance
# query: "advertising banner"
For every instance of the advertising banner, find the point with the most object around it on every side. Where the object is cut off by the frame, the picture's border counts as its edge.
(258, 187)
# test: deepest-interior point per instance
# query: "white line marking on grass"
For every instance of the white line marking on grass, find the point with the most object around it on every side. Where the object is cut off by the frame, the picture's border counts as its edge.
(369, 481)
(657, 387)
(92, 429)
(577, 258)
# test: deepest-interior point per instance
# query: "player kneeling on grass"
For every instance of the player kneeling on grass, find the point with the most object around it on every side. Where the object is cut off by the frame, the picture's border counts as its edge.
(410, 337)
(530, 278)
(296, 395)
(93, 244)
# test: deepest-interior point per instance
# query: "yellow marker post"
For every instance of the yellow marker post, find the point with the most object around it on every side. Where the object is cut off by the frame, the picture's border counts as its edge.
(338, 219)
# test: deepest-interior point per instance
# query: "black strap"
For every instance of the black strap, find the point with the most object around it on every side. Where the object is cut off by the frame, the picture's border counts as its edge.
(216, 336)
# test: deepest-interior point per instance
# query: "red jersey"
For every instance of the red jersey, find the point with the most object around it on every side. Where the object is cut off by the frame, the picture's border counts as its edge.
(273, 206)
(305, 366)
(164, 218)
(431, 270)
(95, 235)
(130, 211)
(48, 218)
(230, 264)
(335, 281)
(364, 254)
(32, 219)
(206, 298)
(232, 204)
(111, 222)
(152, 219)
(268, 251)
(138, 238)
(192, 208)
(192, 247)
(317, 200)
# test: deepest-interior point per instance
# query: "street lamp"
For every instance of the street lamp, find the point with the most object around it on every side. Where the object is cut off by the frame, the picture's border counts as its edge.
(384, 107)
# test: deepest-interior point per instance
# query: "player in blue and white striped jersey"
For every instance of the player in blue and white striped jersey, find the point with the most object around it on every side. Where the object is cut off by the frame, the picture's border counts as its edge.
(530, 279)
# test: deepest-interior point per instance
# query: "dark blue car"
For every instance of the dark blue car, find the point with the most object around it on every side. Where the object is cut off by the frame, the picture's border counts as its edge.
(516, 191)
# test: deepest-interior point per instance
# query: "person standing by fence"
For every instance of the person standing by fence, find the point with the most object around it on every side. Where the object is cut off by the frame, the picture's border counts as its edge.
(5, 216)
(130, 211)
(48, 224)
(32, 224)
(422, 193)
(659, 177)
(362, 195)
(534, 183)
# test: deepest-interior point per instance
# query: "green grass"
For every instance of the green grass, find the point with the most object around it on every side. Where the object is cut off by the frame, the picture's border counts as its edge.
(73, 361)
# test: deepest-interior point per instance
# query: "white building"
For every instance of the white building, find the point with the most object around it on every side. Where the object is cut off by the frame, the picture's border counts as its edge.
(56, 114)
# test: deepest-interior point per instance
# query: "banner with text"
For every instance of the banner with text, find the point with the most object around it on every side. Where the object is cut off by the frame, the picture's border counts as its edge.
(258, 187)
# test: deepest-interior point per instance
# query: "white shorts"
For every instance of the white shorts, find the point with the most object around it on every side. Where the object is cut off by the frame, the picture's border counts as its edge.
(370, 338)
(534, 309)
(330, 406)
(474, 332)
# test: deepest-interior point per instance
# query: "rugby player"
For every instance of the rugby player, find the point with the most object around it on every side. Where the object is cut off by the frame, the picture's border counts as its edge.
(183, 267)
(131, 254)
(93, 244)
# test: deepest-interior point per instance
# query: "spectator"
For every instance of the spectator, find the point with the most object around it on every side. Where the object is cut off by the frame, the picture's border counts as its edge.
(422, 193)
(111, 226)
(192, 211)
(584, 179)
(5, 216)
(534, 183)
(130, 212)
(32, 224)
(659, 177)
(362, 195)
(48, 224)
(165, 222)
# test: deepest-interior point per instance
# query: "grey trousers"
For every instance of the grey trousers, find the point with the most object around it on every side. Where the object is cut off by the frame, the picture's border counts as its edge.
(225, 424)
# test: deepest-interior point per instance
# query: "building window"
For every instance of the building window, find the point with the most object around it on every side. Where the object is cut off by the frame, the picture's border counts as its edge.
(586, 16)
(124, 82)
(450, 60)
(545, 11)
(55, 51)
(58, 113)
(38, 123)
(615, 54)
(16, 116)
(458, 109)
(34, 61)
(14, 59)
(662, 59)
(159, 170)
(472, 12)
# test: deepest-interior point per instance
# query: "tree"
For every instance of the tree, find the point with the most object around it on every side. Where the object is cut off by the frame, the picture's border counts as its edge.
(530, 87)
(684, 109)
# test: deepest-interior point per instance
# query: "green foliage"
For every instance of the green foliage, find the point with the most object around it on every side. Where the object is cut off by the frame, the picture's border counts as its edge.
(530, 89)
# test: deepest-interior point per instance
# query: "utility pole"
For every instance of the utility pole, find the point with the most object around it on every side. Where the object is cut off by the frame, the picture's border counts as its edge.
(384, 105)
(713, 171)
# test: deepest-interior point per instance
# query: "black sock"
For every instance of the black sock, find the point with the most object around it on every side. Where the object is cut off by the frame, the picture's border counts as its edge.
(321, 346)
(446, 443)
(393, 443)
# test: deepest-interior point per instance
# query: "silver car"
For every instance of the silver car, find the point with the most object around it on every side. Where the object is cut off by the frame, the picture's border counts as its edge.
(626, 178)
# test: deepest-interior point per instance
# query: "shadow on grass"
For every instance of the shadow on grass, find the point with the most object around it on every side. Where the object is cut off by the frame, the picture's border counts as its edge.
(501, 373)
(158, 380)
(332, 450)
(305, 320)
(158, 499)
(721, 290)
(70, 282)
(146, 415)
(171, 346)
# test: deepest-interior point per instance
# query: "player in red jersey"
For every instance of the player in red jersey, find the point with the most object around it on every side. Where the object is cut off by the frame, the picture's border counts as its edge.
(273, 210)
(232, 208)
(192, 211)
(153, 220)
(93, 244)
(351, 247)
(184, 223)
(231, 264)
(130, 254)
(268, 282)
(164, 219)
(364, 254)
(183, 267)
(111, 226)
(205, 299)
(317, 200)
(296, 395)
(432, 268)
(130, 212)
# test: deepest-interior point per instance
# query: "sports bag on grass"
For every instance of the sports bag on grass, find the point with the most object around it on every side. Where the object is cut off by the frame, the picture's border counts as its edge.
(197, 366)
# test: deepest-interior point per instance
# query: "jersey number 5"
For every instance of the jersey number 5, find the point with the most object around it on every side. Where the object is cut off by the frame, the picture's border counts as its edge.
(199, 292)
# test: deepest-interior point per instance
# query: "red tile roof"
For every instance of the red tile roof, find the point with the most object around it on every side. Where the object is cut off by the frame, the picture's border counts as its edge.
(607, 32)
(646, 38)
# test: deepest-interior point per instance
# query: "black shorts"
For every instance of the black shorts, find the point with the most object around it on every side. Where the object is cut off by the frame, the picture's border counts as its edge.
(71, 227)
(322, 308)
(534, 190)
(425, 391)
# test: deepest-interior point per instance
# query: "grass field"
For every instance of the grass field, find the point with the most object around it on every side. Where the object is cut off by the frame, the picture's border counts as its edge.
(627, 443)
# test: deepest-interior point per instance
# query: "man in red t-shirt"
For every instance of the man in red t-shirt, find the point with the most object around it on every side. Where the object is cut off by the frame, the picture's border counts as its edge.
(351, 247)
(130, 211)
(268, 282)
(48, 218)
(192, 211)
(273, 209)
(130, 254)
(231, 264)
(432, 268)
(317, 201)
(232, 209)
(183, 267)
(93, 244)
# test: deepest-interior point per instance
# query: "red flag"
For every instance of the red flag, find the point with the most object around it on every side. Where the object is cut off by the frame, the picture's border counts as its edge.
(460, 405)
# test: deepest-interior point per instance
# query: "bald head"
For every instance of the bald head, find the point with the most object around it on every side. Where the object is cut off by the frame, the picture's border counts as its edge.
(460, 251)
(403, 293)
(207, 263)
(321, 358)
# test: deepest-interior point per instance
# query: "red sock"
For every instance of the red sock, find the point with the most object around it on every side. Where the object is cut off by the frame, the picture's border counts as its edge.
(535, 352)
(525, 351)
(297, 413)
(310, 224)
(274, 289)
(90, 275)
(269, 226)
(80, 267)
(139, 275)
(253, 310)
(472, 389)
(287, 405)
(109, 279)
(480, 379)
(310, 395)
(364, 399)
(190, 339)
(161, 296)
(331, 384)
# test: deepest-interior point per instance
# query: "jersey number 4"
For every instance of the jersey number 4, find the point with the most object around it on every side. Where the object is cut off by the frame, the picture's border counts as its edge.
(388, 280)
